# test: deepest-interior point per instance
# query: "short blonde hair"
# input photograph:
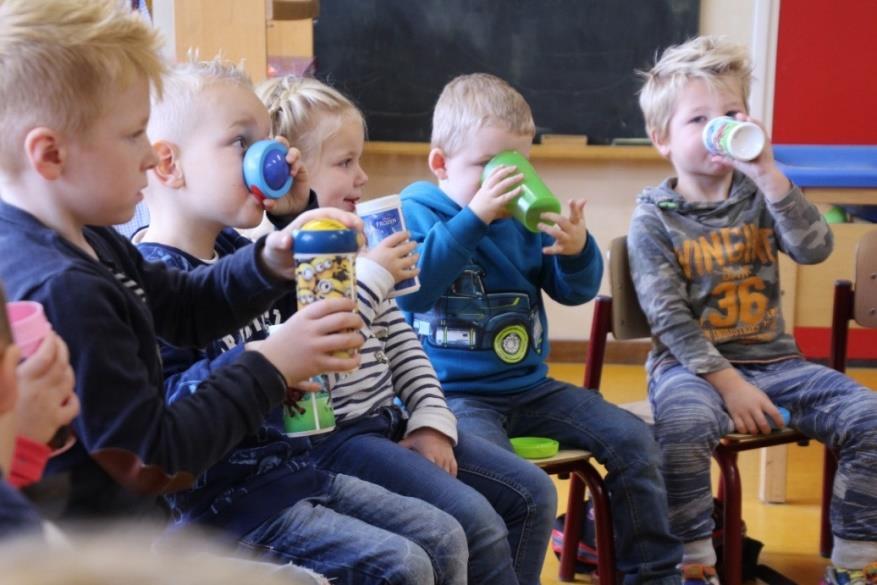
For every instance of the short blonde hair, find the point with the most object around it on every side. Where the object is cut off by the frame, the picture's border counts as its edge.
(474, 101)
(60, 58)
(305, 111)
(171, 114)
(712, 59)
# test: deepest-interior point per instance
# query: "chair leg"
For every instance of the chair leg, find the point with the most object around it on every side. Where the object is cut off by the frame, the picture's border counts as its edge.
(826, 539)
(603, 526)
(732, 529)
(572, 528)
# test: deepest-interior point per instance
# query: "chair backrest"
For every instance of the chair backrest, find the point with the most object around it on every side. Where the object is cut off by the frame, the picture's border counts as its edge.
(628, 320)
(865, 300)
(618, 313)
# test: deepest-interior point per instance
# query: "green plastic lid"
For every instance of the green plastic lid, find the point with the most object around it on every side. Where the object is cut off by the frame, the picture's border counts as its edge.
(535, 447)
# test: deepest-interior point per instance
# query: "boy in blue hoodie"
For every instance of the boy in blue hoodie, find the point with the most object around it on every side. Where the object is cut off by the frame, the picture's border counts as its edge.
(481, 320)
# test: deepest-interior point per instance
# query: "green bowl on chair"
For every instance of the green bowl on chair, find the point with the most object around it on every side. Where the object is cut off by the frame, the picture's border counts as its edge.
(535, 447)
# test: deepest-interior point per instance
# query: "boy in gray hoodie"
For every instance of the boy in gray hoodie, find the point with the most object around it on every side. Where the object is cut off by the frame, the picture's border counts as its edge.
(704, 250)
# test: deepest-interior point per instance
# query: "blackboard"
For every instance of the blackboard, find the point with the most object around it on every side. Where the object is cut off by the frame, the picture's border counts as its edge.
(573, 60)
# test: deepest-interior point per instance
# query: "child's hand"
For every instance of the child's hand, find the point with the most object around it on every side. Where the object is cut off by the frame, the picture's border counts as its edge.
(303, 346)
(277, 257)
(570, 234)
(297, 391)
(501, 187)
(396, 254)
(763, 169)
(297, 199)
(746, 403)
(46, 400)
(434, 446)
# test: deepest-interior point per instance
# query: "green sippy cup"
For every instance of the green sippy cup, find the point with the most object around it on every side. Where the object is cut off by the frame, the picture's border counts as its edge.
(535, 198)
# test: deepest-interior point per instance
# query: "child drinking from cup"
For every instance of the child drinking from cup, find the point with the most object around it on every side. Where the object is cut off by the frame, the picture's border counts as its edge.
(265, 493)
(704, 251)
(393, 425)
(493, 369)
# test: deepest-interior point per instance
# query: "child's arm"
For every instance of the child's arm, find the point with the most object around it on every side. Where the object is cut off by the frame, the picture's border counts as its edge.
(445, 248)
(661, 290)
(800, 229)
(380, 268)
(194, 308)
(432, 427)
(126, 425)
(572, 266)
(746, 403)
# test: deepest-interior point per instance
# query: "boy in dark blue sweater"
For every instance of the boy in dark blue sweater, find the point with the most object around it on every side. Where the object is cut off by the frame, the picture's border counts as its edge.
(201, 125)
(74, 83)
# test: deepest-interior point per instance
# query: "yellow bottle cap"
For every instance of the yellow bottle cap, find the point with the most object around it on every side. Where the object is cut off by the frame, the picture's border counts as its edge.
(324, 225)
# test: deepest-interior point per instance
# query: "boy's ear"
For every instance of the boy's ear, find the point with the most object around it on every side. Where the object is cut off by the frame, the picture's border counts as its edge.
(45, 151)
(662, 144)
(437, 163)
(8, 383)
(169, 171)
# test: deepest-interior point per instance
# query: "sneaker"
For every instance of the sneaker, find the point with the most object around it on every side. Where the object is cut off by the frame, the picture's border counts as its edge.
(699, 575)
(867, 576)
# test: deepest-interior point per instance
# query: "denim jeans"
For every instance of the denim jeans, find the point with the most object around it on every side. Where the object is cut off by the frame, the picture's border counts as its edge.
(581, 419)
(690, 418)
(505, 504)
(359, 533)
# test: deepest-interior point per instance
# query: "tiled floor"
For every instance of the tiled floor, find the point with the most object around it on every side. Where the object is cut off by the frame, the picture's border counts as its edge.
(790, 531)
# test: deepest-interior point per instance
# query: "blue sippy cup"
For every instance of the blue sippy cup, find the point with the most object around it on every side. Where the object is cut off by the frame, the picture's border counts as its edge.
(266, 172)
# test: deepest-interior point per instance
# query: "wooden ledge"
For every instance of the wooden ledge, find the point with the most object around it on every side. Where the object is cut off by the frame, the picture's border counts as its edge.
(539, 152)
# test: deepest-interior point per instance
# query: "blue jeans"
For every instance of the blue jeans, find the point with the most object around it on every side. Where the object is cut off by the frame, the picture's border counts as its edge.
(505, 504)
(581, 419)
(690, 418)
(359, 533)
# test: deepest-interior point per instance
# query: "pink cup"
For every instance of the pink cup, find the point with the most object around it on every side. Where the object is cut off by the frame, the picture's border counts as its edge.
(29, 325)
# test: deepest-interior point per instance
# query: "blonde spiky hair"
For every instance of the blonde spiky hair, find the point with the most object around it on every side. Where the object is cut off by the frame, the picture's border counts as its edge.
(59, 59)
(715, 60)
(171, 115)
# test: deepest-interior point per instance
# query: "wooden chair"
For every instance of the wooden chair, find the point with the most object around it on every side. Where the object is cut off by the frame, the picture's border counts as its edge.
(851, 303)
(576, 465)
(621, 315)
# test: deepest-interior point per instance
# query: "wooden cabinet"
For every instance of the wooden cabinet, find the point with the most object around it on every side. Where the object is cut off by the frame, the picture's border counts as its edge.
(240, 30)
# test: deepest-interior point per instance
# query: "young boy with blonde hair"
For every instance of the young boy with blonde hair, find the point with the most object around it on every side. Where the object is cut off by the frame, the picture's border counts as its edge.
(480, 267)
(704, 250)
(395, 428)
(74, 83)
(266, 494)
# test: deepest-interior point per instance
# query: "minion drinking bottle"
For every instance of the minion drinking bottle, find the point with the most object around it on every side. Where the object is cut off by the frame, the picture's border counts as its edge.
(325, 255)
(266, 172)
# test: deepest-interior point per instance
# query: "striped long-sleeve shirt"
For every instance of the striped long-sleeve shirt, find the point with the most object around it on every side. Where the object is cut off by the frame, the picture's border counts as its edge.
(393, 362)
